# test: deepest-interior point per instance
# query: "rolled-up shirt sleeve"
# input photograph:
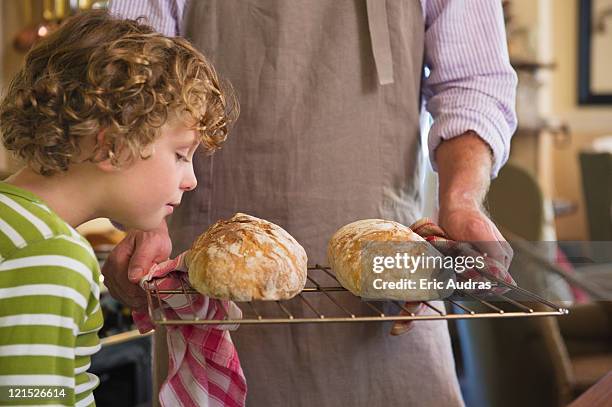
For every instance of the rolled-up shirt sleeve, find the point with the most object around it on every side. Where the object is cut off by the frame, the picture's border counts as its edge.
(163, 15)
(471, 84)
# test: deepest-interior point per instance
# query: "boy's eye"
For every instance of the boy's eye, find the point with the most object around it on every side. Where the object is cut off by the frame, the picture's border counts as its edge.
(180, 157)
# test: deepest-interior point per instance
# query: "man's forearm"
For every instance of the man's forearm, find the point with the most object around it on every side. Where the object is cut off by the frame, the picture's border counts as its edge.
(464, 167)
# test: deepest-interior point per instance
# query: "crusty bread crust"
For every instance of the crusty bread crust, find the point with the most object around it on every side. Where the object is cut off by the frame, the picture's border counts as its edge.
(344, 251)
(246, 258)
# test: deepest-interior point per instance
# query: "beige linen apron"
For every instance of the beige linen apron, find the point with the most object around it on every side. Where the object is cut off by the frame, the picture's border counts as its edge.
(320, 143)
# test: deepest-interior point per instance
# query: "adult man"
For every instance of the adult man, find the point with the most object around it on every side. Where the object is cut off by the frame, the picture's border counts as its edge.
(330, 96)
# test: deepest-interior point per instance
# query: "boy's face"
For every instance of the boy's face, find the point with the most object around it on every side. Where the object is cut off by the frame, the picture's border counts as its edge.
(150, 189)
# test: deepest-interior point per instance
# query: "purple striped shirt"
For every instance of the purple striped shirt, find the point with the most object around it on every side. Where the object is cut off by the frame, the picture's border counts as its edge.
(471, 84)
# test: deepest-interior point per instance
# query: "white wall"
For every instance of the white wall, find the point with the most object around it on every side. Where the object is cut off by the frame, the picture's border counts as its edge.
(586, 122)
(553, 33)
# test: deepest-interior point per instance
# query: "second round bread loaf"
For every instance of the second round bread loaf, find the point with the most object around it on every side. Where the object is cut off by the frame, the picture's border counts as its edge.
(352, 248)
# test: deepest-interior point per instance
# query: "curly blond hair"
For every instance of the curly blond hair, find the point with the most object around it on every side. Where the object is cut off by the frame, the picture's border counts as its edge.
(100, 73)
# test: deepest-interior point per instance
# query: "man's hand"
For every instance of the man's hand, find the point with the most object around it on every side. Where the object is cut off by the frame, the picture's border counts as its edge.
(471, 224)
(464, 167)
(131, 259)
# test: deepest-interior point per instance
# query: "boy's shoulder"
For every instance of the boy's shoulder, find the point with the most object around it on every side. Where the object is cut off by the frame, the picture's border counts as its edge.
(27, 224)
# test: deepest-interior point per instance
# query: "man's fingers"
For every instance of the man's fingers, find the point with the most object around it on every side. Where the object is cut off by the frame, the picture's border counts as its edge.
(149, 249)
(115, 275)
(136, 273)
(487, 239)
(142, 260)
(133, 297)
(119, 258)
(506, 247)
(473, 228)
(493, 250)
(401, 327)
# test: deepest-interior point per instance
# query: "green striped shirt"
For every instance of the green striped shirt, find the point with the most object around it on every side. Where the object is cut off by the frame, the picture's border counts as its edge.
(49, 305)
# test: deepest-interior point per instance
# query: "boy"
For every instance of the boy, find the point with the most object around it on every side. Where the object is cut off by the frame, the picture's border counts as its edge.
(106, 115)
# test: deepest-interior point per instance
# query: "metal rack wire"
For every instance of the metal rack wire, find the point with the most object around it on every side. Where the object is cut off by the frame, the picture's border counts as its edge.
(513, 303)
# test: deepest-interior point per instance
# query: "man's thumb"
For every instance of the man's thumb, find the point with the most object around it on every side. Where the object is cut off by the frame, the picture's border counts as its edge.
(138, 268)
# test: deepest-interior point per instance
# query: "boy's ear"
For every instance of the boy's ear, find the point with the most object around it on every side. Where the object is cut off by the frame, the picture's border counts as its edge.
(103, 154)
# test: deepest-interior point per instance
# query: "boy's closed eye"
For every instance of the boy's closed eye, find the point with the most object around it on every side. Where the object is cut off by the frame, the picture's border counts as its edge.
(183, 157)
(184, 142)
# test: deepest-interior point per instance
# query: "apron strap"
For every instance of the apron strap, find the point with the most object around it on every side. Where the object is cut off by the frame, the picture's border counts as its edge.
(381, 42)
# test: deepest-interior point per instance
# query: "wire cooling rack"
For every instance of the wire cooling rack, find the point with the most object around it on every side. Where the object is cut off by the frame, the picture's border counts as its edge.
(324, 300)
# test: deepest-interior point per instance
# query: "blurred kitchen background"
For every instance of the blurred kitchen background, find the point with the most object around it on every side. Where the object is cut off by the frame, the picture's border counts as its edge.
(557, 186)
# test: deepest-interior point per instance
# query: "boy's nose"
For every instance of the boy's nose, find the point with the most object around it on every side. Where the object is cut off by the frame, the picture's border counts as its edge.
(190, 185)
(189, 181)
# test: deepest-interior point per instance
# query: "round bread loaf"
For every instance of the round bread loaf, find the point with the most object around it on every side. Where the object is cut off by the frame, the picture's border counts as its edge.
(352, 248)
(246, 258)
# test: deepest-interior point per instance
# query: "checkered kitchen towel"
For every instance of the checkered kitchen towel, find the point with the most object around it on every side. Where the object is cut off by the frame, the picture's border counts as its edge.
(204, 369)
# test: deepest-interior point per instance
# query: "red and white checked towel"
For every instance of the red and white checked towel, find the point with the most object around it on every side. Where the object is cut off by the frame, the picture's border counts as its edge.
(203, 369)
(431, 232)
